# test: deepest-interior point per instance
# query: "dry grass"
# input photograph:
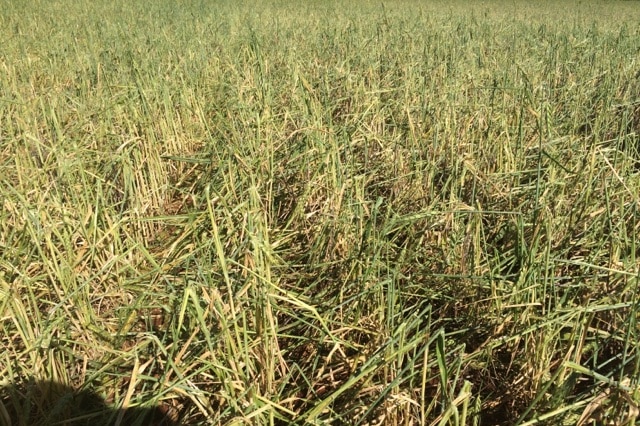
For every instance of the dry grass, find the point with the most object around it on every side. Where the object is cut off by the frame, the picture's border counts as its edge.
(398, 214)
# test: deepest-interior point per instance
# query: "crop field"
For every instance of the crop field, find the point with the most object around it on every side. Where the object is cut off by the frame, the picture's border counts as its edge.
(323, 212)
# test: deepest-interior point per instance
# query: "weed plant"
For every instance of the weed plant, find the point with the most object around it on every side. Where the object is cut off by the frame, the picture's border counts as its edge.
(323, 212)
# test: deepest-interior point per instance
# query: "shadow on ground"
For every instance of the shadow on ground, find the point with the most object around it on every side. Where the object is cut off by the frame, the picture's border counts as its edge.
(44, 403)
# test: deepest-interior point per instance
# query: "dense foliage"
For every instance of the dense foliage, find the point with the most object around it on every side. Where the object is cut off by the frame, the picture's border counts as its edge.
(397, 213)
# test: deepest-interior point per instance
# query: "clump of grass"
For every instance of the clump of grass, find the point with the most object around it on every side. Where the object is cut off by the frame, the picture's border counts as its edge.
(399, 214)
